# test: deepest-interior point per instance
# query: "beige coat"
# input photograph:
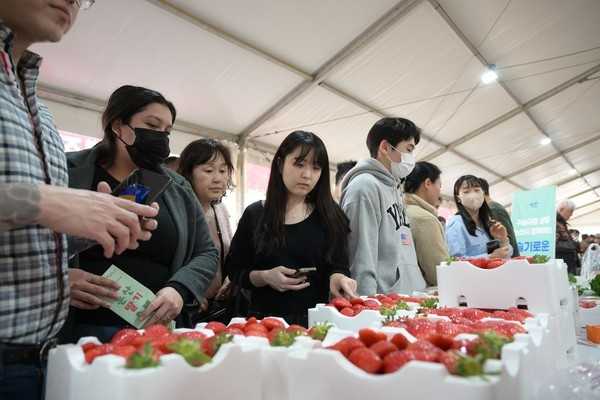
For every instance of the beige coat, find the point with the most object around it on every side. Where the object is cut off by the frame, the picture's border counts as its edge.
(428, 235)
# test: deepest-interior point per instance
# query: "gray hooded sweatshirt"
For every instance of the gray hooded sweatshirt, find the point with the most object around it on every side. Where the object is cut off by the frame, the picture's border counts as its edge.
(382, 252)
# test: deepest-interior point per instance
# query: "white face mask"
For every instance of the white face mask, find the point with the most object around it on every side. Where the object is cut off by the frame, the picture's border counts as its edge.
(403, 168)
(472, 201)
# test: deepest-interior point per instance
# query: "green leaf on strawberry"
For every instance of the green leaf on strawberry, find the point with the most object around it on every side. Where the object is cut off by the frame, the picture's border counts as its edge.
(146, 358)
(489, 345)
(191, 351)
(283, 339)
(320, 330)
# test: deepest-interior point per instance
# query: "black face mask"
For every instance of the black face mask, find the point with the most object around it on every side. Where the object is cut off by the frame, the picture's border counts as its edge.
(149, 149)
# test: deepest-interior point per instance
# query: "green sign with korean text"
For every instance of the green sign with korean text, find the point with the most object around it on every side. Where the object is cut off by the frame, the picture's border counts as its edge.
(534, 219)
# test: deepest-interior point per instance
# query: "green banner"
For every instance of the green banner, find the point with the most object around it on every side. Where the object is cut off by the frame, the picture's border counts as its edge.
(534, 219)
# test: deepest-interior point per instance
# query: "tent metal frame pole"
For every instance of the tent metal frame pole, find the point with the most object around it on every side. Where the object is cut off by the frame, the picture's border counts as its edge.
(586, 213)
(380, 113)
(548, 159)
(571, 179)
(374, 31)
(521, 107)
(241, 178)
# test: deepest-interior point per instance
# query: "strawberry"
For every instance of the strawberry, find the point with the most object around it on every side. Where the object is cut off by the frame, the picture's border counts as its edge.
(357, 308)
(297, 330)
(146, 357)
(216, 327)
(371, 304)
(272, 323)
(489, 345)
(347, 345)
(257, 333)
(357, 301)
(140, 341)
(319, 331)
(124, 351)
(283, 339)
(442, 342)
(349, 312)
(233, 331)
(474, 314)
(366, 359)
(400, 341)
(422, 345)
(383, 348)
(426, 355)
(162, 344)
(88, 346)
(192, 335)
(495, 263)
(341, 303)
(255, 326)
(459, 364)
(251, 320)
(273, 333)
(156, 331)
(191, 351)
(370, 337)
(124, 337)
(98, 351)
(236, 326)
(212, 344)
(396, 360)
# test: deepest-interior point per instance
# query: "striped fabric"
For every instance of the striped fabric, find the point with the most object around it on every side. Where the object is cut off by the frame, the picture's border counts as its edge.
(33, 259)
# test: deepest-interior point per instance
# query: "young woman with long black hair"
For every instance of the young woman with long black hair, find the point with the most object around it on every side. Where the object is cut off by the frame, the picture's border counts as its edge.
(469, 231)
(299, 226)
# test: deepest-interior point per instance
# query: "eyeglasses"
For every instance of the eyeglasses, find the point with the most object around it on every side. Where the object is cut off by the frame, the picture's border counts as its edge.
(84, 4)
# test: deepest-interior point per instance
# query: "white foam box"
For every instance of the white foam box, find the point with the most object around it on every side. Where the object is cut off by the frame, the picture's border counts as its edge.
(71, 378)
(325, 374)
(365, 319)
(544, 288)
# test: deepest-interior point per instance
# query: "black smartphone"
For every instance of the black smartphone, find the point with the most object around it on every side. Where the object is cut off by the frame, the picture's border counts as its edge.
(303, 272)
(492, 245)
(142, 186)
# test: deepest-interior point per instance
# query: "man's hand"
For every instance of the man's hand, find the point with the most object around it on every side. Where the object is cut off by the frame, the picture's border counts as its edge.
(88, 290)
(111, 221)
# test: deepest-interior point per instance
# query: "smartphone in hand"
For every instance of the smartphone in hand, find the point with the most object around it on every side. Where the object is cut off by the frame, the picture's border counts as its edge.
(300, 272)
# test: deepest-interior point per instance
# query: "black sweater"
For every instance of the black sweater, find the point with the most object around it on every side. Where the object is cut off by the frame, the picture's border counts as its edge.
(305, 246)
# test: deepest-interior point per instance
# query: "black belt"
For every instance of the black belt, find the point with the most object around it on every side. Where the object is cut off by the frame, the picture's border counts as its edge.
(36, 354)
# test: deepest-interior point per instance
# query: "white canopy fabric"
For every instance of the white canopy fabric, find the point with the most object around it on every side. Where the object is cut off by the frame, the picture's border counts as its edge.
(252, 71)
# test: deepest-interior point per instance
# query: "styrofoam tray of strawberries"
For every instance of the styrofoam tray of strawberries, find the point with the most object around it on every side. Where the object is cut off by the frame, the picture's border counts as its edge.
(363, 312)
(543, 288)
(92, 370)
(332, 374)
(70, 378)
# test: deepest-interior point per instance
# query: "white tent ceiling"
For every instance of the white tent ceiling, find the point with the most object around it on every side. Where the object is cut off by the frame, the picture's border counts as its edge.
(256, 70)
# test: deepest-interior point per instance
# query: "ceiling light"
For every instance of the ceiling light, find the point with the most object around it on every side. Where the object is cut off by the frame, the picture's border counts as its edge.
(490, 75)
(545, 141)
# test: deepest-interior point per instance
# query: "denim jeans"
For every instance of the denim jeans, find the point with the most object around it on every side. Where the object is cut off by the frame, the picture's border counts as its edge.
(22, 381)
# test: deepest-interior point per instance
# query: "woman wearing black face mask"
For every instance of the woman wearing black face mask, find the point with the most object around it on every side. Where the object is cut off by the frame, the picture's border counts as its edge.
(179, 261)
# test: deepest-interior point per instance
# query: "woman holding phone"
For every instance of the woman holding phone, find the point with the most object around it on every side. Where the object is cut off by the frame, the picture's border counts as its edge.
(291, 251)
(472, 232)
(179, 261)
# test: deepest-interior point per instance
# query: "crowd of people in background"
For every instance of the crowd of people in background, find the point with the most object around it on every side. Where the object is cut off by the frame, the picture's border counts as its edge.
(377, 232)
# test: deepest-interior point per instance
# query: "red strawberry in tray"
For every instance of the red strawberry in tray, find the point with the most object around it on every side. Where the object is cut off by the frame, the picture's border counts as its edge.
(340, 303)
(396, 360)
(370, 337)
(124, 337)
(366, 359)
